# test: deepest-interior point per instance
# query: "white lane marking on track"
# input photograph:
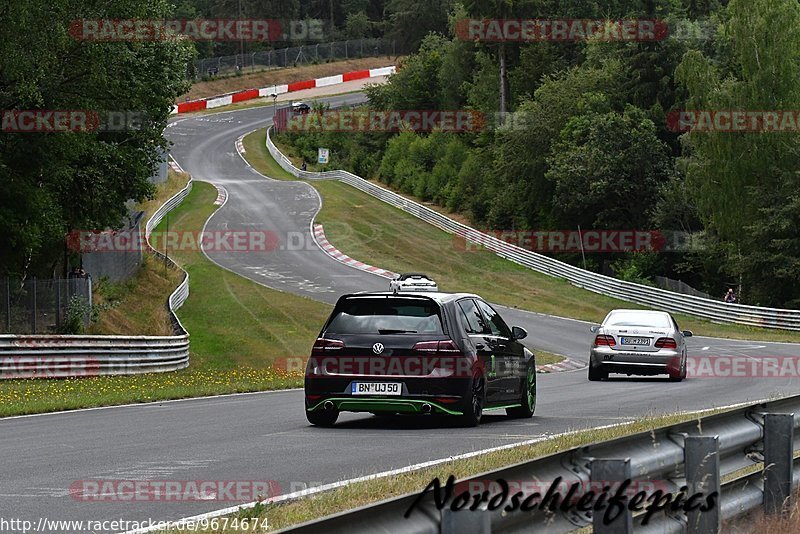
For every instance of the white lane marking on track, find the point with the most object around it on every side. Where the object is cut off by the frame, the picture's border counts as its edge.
(394, 472)
(385, 474)
(739, 347)
(705, 348)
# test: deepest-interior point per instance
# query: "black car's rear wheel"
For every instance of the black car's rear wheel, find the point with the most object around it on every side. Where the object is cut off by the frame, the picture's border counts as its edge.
(473, 410)
(528, 401)
(322, 417)
(597, 373)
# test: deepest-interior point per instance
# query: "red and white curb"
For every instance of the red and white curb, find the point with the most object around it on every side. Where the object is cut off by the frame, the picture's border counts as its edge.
(222, 195)
(565, 365)
(341, 257)
(240, 146)
(174, 165)
(249, 94)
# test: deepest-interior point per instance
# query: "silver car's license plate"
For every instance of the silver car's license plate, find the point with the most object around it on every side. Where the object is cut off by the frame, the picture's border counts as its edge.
(376, 388)
(634, 341)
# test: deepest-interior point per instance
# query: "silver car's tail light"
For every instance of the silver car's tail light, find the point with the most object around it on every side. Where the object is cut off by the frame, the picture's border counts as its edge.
(604, 341)
(666, 343)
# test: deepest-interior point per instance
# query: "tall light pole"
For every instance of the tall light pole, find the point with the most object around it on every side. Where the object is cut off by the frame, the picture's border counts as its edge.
(274, 110)
(241, 37)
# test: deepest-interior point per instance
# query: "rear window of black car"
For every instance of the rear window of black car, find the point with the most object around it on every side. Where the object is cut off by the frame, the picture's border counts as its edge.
(386, 316)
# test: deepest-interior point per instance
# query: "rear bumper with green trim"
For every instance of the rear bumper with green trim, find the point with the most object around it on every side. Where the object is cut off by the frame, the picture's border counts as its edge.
(398, 405)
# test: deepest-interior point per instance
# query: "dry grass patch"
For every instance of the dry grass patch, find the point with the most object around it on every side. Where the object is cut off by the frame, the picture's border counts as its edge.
(137, 306)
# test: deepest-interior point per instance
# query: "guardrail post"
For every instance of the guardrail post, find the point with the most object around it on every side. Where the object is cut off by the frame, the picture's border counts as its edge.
(8, 304)
(778, 453)
(701, 461)
(57, 288)
(33, 307)
(477, 522)
(604, 472)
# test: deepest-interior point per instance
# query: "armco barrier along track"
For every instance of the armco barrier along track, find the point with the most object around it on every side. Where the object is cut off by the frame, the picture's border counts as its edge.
(61, 356)
(696, 454)
(598, 283)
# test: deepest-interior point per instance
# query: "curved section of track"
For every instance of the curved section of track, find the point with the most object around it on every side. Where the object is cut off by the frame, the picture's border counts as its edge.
(265, 436)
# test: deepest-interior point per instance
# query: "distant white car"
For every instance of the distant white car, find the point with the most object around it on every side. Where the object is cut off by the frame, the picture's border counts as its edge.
(412, 282)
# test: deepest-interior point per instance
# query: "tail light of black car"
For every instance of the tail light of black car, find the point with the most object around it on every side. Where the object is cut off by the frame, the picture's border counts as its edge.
(444, 355)
(323, 348)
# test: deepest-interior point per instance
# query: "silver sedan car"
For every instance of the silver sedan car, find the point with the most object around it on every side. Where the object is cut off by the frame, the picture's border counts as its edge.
(638, 342)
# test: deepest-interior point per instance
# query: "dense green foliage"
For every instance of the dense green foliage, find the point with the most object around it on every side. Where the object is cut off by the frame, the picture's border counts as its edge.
(590, 144)
(52, 183)
(405, 21)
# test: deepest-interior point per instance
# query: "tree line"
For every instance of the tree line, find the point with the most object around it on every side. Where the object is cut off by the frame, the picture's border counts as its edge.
(597, 149)
(405, 21)
(55, 181)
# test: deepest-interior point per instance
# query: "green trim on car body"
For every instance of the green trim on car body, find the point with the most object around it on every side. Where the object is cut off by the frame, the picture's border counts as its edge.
(388, 405)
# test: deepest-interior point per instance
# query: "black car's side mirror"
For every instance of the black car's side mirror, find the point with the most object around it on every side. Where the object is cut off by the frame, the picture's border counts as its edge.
(518, 332)
(687, 333)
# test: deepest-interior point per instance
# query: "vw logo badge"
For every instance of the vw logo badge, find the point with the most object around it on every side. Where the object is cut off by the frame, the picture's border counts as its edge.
(377, 348)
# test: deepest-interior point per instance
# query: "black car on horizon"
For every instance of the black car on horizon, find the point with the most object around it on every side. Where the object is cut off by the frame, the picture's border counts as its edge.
(411, 353)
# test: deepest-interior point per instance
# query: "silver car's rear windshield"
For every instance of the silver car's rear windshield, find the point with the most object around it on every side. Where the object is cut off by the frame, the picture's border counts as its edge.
(387, 316)
(634, 318)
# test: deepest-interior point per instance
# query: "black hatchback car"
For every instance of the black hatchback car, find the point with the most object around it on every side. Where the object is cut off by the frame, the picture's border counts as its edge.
(432, 353)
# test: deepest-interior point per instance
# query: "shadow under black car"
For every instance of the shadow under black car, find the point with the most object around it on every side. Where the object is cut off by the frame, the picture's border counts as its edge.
(414, 422)
(639, 378)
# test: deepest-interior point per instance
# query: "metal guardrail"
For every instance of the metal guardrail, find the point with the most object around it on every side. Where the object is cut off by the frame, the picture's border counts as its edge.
(726, 452)
(62, 356)
(181, 293)
(605, 285)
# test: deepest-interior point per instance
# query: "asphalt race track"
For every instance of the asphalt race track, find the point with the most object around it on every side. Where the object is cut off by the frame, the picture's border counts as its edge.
(265, 436)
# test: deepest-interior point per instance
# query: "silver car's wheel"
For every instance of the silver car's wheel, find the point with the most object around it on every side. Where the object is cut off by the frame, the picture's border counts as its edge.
(597, 373)
(681, 374)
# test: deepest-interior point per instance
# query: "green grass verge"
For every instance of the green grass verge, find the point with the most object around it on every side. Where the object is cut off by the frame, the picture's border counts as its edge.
(547, 358)
(238, 330)
(358, 494)
(259, 157)
(363, 227)
(233, 321)
(367, 229)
